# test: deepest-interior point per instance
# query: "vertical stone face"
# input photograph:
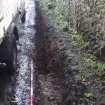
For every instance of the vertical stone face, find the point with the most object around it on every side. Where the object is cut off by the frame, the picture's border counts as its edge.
(86, 16)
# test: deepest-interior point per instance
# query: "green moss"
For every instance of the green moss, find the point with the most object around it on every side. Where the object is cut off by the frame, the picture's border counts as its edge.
(89, 94)
(56, 14)
(99, 69)
(79, 40)
(90, 97)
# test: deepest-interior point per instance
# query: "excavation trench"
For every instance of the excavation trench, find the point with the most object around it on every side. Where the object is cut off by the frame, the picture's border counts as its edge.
(49, 61)
(47, 49)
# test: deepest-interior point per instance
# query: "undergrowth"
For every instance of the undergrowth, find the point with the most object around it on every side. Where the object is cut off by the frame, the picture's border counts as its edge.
(57, 19)
(88, 63)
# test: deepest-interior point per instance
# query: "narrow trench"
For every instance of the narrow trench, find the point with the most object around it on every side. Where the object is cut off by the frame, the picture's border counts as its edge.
(48, 63)
(41, 57)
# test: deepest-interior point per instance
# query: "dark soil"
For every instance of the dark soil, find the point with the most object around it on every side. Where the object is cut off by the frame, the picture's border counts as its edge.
(56, 72)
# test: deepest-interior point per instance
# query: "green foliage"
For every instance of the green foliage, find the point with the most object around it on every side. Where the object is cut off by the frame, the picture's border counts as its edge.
(99, 69)
(56, 17)
(45, 3)
(89, 94)
(90, 97)
(79, 40)
(56, 14)
(90, 61)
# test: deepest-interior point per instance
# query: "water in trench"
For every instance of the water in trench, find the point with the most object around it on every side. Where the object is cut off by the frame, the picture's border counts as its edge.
(25, 55)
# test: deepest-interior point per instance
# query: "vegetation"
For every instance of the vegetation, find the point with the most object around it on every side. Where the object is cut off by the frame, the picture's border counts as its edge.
(87, 60)
(58, 20)
(55, 13)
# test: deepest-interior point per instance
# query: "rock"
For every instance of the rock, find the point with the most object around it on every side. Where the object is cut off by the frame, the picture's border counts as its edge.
(101, 53)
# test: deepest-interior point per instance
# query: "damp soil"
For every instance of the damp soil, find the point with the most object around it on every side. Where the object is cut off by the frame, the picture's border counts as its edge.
(56, 71)
(46, 48)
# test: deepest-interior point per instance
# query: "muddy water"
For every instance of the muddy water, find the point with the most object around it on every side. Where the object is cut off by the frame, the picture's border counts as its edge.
(25, 55)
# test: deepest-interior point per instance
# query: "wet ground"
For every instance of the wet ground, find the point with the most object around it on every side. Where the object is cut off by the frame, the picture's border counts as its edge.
(49, 61)
(26, 46)
(18, 88)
